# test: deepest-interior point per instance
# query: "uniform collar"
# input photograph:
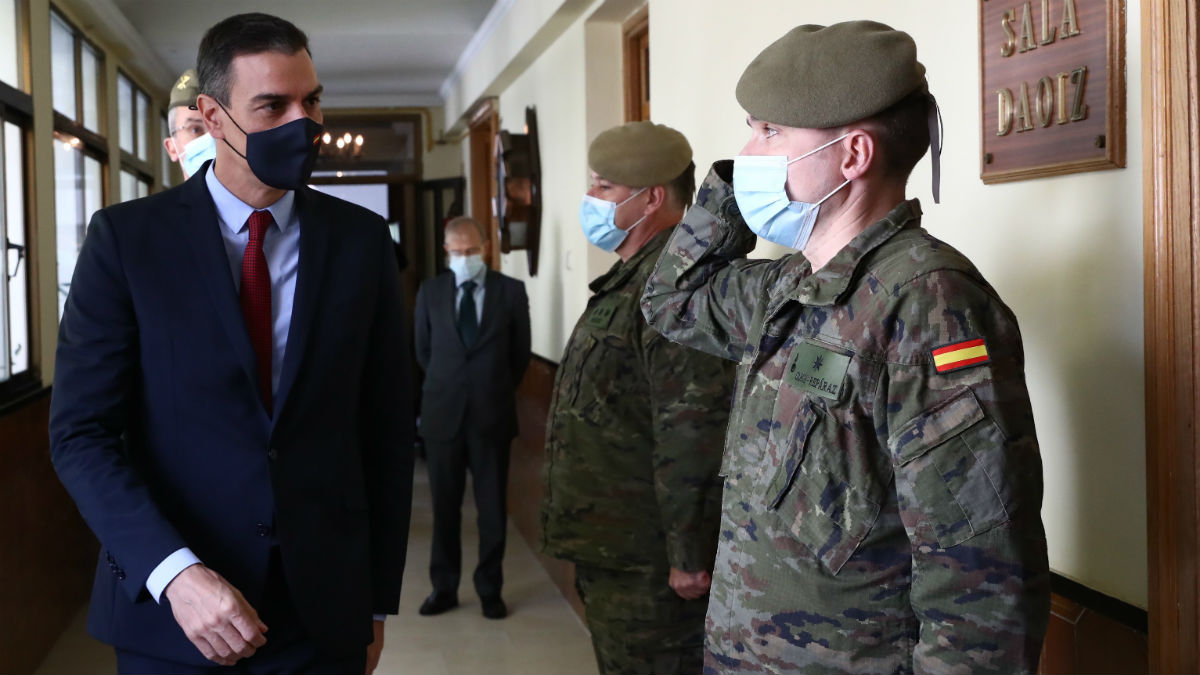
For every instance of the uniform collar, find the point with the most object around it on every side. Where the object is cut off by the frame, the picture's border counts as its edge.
(618, 275)
(827, 285)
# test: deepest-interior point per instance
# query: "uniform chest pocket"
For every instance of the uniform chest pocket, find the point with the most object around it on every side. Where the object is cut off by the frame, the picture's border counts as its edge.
(817, 493)
(951, 460)
(606, 370)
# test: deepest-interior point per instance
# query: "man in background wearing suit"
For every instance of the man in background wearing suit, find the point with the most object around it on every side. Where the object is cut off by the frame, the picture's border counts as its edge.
(229, 409)
(472, 339)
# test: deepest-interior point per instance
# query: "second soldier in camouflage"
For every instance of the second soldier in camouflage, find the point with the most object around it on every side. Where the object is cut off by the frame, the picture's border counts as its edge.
(635, 428)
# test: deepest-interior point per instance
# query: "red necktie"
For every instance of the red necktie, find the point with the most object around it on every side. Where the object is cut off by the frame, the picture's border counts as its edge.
(256, 300)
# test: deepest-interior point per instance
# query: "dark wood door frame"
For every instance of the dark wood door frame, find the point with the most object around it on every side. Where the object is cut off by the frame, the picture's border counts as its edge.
(1171, 215)
(484, 125)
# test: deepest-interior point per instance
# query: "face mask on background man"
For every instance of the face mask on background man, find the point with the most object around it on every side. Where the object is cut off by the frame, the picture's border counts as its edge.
(760, 188)
(598, 218)
(198, 151)
(465, 266)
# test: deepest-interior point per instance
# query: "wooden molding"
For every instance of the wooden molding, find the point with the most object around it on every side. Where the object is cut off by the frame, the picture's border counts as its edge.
(635, 39)
(483, 127)
(1171, 214)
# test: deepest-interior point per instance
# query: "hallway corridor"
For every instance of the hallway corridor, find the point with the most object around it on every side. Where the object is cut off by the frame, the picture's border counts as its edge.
(541, 635)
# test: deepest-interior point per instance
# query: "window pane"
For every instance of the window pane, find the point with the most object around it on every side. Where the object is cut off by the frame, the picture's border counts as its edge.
(18, 272)
(68, 211)
(143, 127)
(90, 76)
(62, 65)
(10, 49)
(125, 113)
(6, 262)
(93, 192)
(128, 186)
(143, 189)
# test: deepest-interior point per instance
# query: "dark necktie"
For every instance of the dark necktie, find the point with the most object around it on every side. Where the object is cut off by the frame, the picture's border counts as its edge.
(468, 322)
(256, 300)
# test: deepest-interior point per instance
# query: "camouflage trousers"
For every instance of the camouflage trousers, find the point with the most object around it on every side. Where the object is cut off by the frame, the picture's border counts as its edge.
(639, 625)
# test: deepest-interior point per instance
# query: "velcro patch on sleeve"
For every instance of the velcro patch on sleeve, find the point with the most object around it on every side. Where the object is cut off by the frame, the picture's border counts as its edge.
(960, 355)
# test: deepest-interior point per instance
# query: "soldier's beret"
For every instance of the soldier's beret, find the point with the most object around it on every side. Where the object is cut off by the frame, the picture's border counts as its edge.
(640, 154)
(186, 89)
(816, 77)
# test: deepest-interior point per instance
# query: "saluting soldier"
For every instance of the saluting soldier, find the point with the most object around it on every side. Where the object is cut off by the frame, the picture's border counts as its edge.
(635, 427)
(882, 478)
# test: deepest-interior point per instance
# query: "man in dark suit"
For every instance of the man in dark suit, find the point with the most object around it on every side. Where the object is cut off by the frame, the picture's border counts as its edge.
(229, 411)
(472, 339)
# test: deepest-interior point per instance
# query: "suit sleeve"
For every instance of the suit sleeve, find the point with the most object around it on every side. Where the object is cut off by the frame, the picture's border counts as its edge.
(387, 433)
(95, 379)
(968, 482)
(421, 329)
(703, 293)
(519, 358)
(690, 395)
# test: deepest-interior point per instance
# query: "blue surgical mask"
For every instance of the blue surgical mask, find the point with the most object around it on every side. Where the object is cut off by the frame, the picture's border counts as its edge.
(760, 188)
(465, 267)
(598, 218)
(198, 151)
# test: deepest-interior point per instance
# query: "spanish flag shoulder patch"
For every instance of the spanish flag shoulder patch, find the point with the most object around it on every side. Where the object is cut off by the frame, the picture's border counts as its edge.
(960, 355)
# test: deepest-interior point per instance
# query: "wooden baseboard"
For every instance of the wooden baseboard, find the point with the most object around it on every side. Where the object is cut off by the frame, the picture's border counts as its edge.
(48, 554)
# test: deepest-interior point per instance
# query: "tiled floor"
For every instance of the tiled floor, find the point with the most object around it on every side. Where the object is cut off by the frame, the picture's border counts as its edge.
(541, 634)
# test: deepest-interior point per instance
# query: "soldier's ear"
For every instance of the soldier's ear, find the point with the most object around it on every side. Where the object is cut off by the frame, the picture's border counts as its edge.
(658, 197)
(861, 154)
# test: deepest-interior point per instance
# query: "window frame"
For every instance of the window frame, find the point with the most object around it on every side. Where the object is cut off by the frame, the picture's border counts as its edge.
(16, 107)
(101, 83)
(130, 162)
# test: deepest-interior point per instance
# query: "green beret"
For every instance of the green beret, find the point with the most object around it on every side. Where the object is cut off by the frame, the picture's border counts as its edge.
(185, 91)
(640, 154)
(817, 77)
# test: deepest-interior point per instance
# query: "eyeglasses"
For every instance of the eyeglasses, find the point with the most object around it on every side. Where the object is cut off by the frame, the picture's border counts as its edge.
(15, 253)
(193, 129)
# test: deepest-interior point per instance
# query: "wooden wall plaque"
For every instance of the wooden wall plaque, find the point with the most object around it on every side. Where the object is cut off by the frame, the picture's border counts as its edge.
(1052, 81)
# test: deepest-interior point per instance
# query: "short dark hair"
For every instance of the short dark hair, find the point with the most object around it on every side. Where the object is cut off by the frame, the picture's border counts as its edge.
(252, 33)
(682, 189)
(901, 132)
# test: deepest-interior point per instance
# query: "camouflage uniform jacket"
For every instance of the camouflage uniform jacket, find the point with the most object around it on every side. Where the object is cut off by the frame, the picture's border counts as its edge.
(634, 437)
(881, 513)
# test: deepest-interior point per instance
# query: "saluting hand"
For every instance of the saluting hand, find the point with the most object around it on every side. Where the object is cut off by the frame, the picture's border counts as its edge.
(214, 616)
(689, 585)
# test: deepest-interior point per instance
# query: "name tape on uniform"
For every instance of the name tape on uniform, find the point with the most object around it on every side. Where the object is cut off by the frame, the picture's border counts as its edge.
(818, 370)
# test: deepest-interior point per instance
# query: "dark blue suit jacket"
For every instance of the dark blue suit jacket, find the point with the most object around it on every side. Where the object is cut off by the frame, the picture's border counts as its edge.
(158, 432)
(476, 383)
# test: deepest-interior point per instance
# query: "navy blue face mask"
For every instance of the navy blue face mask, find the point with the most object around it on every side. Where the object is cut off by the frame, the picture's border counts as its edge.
(282, 157)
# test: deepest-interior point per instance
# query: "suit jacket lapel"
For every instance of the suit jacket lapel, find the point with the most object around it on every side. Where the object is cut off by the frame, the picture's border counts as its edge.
(200, 228)
(314, 244)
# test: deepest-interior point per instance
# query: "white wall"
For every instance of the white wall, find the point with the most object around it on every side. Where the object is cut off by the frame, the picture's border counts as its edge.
(554, 84)
(1065, 252)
